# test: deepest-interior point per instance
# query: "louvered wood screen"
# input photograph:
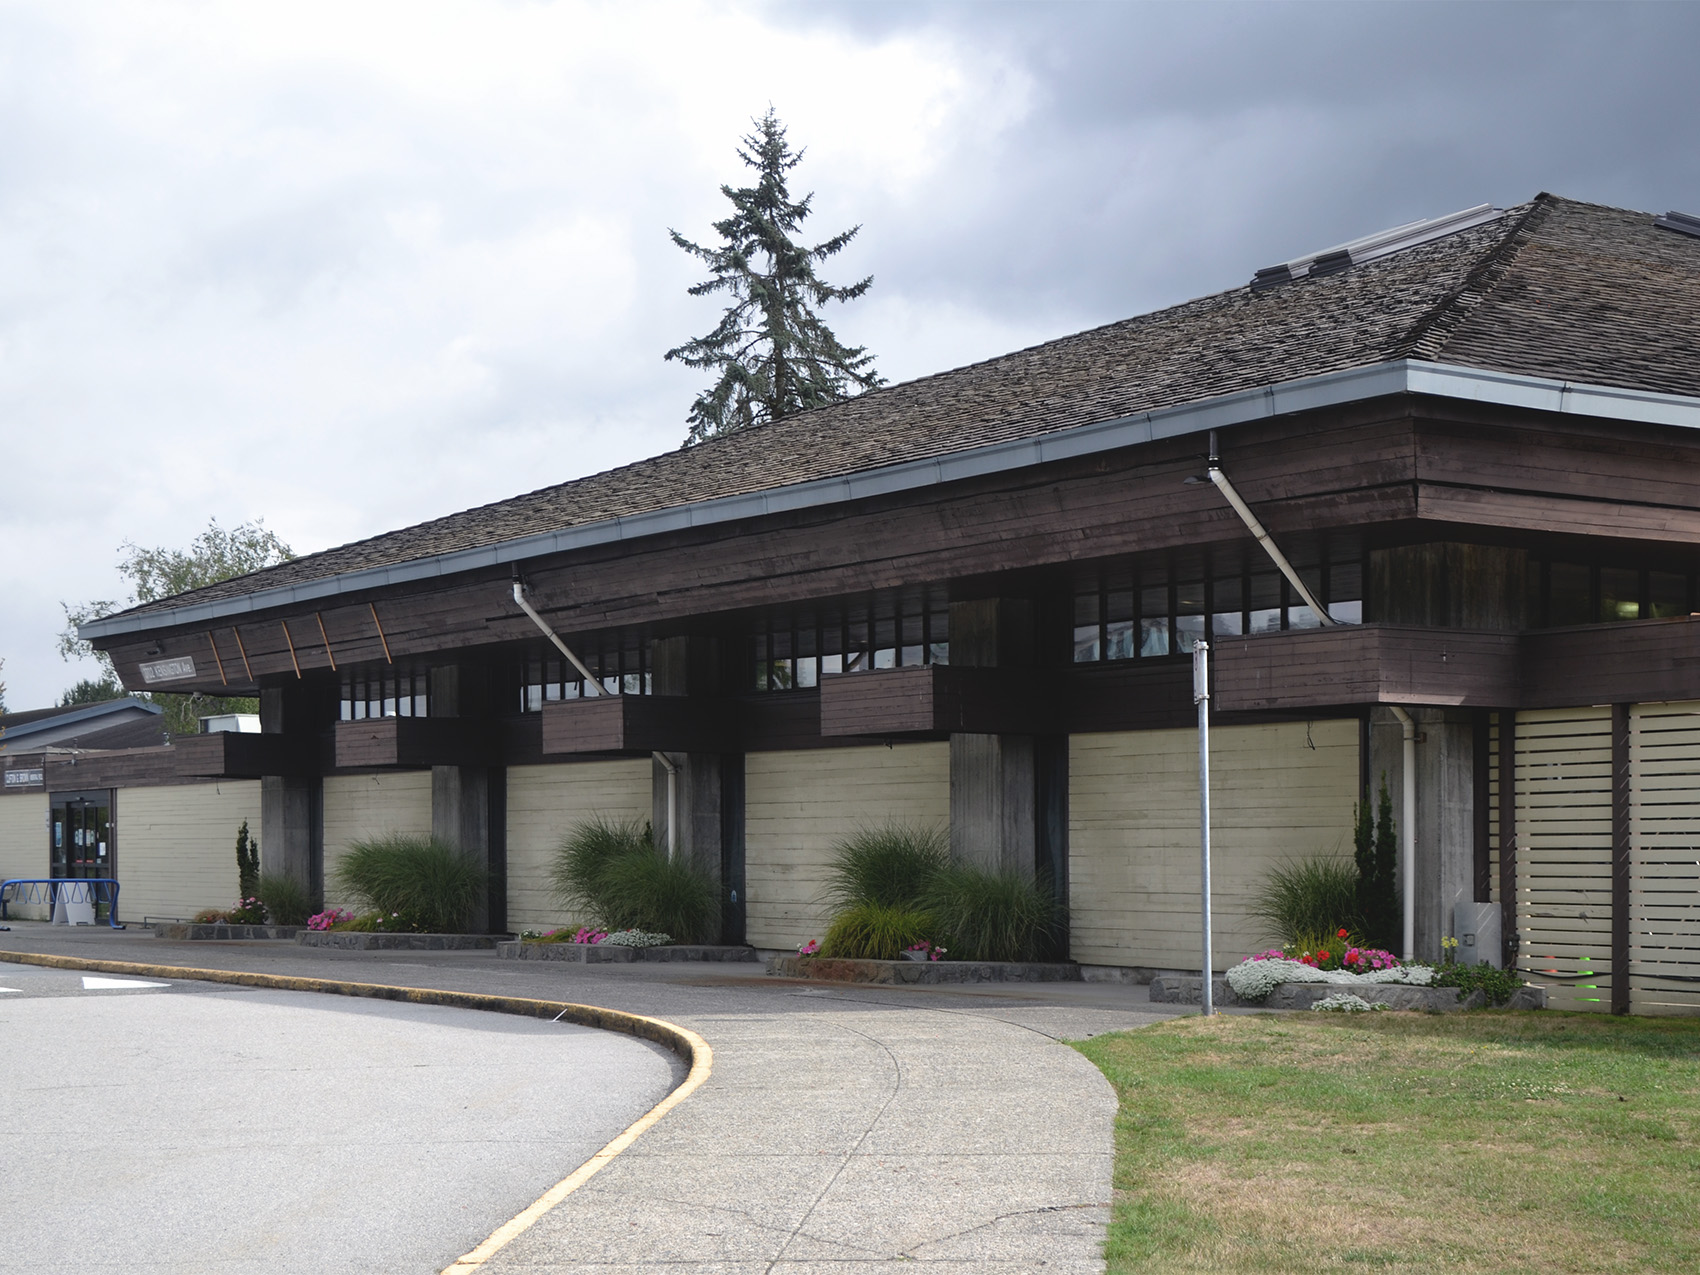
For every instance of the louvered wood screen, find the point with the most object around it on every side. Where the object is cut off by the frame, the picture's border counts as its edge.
(1563, 825)
(1664, 881)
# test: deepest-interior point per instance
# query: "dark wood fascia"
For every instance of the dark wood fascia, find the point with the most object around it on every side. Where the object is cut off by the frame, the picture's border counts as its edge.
(118, 768)
(940, 699)
(230, 755)
(415, 742)
(1365, 664)
(1633, 662)
(641, 724)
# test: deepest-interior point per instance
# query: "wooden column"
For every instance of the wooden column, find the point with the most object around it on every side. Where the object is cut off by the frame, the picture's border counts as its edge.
(292, 811)
(994, 781)
(468, 806)
(1479, 761)
(1620, 858)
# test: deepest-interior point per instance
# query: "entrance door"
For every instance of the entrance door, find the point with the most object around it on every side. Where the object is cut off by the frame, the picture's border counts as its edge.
(81, 844)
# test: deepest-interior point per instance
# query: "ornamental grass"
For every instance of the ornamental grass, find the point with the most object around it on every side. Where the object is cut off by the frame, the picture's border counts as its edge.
(875, 932)
(891, 866)
(613, 871)
(285, 899)
(423, 884)
(994, 916)
(1313, 896)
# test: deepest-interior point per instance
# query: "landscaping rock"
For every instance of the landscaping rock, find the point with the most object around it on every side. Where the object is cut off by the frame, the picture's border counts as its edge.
(1182, 989)
(833, 969)
(355, 941)
(617, 954)
(219, 930)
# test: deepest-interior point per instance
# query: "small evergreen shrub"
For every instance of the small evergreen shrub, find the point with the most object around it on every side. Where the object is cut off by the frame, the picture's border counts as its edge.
(286, 900)
(1314, 896)
(247, 863)
(614, 872)
(425, 884)
(993, 916)
(892, 866)
(1379, 912)
(875, 932)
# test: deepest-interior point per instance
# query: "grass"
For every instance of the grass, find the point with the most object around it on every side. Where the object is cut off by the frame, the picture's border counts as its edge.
(615, 872)
(1313, 896)
(286, 899)
(875, 932)
(430, 884)
(993, 916)
(1491, 1142)
(889, 866)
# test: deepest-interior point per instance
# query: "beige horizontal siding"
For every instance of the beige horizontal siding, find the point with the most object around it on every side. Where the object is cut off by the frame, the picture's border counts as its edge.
(360, 806)
(797, 805)
(544, 802)
(177, 846)
(23, 845)
(1278, 793)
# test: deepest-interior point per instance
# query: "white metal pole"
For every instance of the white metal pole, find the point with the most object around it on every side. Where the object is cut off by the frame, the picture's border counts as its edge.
(1201, 697)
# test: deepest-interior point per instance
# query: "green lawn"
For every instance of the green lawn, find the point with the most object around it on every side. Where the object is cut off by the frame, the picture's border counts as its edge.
(1406, 1142)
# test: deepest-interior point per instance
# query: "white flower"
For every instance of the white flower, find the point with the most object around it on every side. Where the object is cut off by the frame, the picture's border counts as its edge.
(1253, 980)
(1346, 1003)
(638, 938)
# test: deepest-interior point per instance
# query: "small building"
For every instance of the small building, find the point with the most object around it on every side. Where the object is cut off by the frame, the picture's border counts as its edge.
(970, 600)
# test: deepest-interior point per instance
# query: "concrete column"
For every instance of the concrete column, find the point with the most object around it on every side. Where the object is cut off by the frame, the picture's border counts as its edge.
(698, 801)
(993, 808)
(460, 816)
(292, 807)
(1445, 834)
(292, 831)
(467, 810)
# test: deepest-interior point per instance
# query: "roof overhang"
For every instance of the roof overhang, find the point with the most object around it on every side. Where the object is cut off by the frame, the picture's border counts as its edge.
(1332, 389)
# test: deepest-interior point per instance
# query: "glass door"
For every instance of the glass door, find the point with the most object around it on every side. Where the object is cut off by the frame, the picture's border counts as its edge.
(81, 837)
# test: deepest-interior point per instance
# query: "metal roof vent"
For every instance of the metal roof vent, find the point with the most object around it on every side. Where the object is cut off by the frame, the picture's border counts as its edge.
(1381, 244)
(1681, 222)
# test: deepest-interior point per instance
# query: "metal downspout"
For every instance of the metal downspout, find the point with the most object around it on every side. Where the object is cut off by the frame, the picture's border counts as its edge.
(1408, 760)
(596, 688)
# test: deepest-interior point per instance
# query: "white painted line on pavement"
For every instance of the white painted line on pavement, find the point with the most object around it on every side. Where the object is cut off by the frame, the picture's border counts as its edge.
(91, 983)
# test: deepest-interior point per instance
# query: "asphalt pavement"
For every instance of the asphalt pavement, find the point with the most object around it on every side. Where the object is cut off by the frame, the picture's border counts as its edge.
(844, 1129)
(166, 1125)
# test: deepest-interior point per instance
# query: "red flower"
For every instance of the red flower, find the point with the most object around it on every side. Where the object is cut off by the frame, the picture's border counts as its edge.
(1342, 934)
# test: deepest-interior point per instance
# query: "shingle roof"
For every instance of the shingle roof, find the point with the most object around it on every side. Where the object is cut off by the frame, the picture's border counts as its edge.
(1553, 288)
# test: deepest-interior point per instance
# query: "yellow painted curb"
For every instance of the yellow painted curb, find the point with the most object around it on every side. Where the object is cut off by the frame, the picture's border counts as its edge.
(687, 1044)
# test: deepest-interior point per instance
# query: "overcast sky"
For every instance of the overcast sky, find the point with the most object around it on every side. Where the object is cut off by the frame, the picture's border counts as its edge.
(349, 266)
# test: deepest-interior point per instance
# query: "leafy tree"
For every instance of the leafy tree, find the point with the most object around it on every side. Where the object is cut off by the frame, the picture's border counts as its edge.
(216, 554)
(771, 351)
(247, 863)
(1377, 856)
(88, 691)
(2, 690)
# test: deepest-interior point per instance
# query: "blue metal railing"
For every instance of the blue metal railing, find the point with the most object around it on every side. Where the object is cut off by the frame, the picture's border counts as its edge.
(49, 890)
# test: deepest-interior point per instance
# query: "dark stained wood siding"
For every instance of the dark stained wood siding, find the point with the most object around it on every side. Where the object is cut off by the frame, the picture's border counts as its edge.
(1366, 664)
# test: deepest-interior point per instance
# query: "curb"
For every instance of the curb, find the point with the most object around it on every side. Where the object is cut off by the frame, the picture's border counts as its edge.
(689, 1046)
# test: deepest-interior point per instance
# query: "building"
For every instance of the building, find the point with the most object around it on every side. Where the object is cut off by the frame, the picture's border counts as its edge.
(969, 600)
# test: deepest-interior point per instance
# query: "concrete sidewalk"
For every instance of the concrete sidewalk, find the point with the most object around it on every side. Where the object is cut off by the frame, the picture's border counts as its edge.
(844, 1128)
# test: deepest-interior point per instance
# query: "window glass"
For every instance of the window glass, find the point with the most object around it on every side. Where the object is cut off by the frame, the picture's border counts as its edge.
(1620, 594)
(1347, 612)
(1086, 630)
(1189, 629)
(1265, 602)
(1154, 621)
(830, 664)
(1227, 598)
(806, 671)
(1667, 594)
(1568, 598)
(1302, 617)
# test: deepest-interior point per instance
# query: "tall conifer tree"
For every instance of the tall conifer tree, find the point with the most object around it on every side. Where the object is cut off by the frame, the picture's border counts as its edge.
(772, 352)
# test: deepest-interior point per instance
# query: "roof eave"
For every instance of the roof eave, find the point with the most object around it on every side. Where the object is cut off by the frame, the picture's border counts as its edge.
(1331, 389)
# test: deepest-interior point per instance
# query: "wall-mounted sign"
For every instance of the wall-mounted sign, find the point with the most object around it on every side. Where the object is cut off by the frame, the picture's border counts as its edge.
(23, 779)
(173, 670)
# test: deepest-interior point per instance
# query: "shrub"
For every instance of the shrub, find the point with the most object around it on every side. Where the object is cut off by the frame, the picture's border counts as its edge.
(993, 916)
(1310, 897)
(1379, 912)
(875, 932)
(1496, 985)
(891, 866)
(210, 916)
(285, 899)
(248, 911)
(247, 863)
(421, 881)
(614, 871)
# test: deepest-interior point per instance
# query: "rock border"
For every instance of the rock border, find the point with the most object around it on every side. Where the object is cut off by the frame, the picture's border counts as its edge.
(930, 973)
(1185, 989)
(223, 931)
(618, 954)
(362, 941)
